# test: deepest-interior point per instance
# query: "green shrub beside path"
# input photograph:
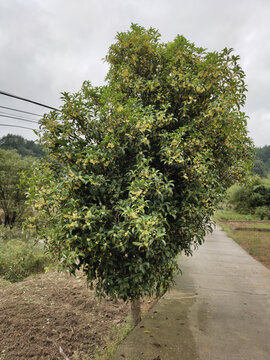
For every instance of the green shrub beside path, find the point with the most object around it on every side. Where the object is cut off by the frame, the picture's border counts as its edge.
(20, 256)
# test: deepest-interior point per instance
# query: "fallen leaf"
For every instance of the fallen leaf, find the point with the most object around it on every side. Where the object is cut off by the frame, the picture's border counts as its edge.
(157, 345)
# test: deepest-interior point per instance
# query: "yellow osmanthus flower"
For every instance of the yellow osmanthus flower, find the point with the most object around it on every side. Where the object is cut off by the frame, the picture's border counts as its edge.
(136, 192)
(75, 216)
(94, 183)
(133, 215)
(125, 73)
(72, 224)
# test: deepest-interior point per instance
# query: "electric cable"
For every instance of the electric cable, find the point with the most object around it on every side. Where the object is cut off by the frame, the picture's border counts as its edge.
(28, 100)
(19, 118)
(18, 126)
(22, 111)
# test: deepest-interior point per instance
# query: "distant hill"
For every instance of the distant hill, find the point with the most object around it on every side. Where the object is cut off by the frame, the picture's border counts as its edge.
(23, 146)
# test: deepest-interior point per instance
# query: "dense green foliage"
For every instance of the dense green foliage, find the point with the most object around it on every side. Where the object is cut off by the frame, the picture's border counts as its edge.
(19, 255)
(262, 161)
(253, 197)
(136, 168)
(259, 168)
(24, 147)
(12, 197)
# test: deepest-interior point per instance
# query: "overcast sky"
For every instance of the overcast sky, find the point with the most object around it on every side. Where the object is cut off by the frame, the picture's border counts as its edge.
(50, 46)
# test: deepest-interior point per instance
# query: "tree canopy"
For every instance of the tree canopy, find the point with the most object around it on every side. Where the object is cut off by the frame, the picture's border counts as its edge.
(23, 146)
(136, 167)
(12, 197)
(262, 161)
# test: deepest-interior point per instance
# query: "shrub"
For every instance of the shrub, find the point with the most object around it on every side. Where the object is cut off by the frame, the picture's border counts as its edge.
(20, 258)
(263, 212)
(239, 197)
(247, 198)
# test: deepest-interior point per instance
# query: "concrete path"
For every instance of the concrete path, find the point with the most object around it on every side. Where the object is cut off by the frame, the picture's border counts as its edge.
(219, 309)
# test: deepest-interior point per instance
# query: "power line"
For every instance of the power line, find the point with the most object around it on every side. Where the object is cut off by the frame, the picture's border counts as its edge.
(22, 111)
(19, 118)
(24, 99)
(17, 126)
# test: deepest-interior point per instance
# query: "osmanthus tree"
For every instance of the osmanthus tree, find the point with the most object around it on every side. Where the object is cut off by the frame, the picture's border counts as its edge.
(135, 168)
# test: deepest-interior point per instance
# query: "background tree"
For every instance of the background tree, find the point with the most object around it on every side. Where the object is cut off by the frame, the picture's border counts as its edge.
(23, 146)
(12, 198)
(252, 197)
(259, 168)
(262, 155)
(136, 168)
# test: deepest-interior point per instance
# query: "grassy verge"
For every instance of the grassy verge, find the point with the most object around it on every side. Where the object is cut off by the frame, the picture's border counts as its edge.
(231, 215)
(117, 335)
(4, 282)
(252, 234)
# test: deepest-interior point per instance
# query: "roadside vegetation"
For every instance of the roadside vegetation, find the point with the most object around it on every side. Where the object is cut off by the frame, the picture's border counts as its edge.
(246, 217)
(20, 255)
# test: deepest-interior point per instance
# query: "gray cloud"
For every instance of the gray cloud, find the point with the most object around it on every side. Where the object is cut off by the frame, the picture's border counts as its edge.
(49, 46)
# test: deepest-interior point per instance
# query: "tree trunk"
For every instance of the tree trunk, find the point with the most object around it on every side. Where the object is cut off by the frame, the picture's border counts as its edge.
(14, 216)
(7, 220)
(135, 311)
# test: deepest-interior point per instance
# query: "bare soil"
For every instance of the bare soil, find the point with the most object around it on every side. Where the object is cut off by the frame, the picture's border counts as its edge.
(55, 316)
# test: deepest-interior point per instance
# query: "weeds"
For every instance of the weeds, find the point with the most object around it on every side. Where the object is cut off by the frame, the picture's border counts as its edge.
(116, 336)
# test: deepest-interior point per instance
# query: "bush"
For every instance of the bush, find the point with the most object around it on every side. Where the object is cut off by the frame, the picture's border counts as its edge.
(16, 232)
(263, 212)
(20, 258)
(247, 198)
(239, 197)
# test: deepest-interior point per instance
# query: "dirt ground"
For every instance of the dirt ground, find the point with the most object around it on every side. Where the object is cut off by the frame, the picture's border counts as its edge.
(55, 316)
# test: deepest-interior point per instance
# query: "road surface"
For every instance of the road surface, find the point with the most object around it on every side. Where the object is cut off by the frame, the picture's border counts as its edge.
(219, 309)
